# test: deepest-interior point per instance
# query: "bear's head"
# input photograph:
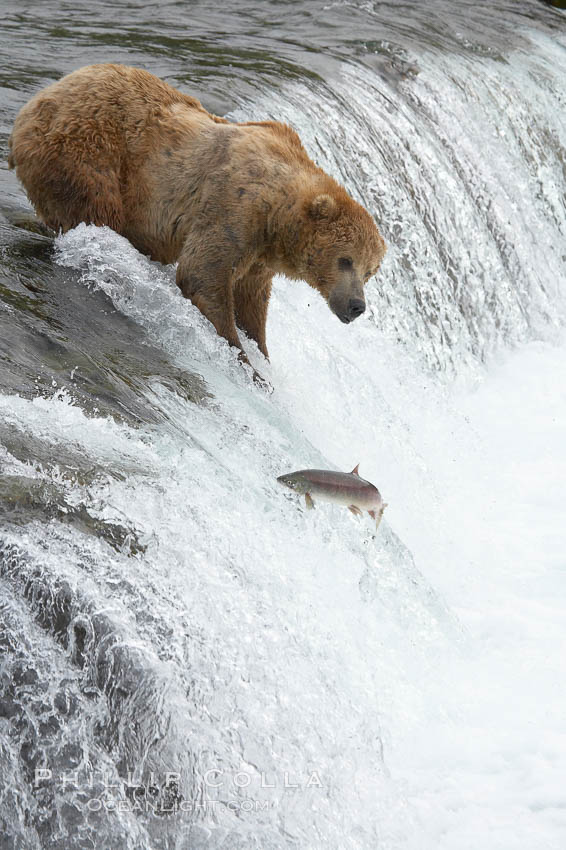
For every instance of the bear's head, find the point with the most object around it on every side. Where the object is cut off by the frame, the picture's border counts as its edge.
(341, 249)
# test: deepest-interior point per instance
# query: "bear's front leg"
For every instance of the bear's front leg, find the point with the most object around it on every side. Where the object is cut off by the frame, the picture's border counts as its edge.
(251, 297)
(215, 302)
(208, 285)
(204, 275)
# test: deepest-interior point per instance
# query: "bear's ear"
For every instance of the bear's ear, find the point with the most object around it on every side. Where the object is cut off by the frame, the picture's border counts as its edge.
(323, 206)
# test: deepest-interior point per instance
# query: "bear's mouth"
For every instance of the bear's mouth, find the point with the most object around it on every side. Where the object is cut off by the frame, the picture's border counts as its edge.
(343, 318)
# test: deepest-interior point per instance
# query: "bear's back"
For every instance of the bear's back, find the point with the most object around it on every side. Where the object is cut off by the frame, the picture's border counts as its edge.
(98, 102)
(78, 144)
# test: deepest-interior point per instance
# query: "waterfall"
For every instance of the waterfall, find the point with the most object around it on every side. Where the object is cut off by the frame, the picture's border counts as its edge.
(189, 657)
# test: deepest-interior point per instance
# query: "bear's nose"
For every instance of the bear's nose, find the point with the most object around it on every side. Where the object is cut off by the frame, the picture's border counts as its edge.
(356, 307)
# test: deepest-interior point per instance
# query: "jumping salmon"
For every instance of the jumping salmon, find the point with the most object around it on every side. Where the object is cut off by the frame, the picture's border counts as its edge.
(342, 488)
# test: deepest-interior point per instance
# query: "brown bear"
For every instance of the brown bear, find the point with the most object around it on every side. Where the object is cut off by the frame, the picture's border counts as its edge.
(232, 203)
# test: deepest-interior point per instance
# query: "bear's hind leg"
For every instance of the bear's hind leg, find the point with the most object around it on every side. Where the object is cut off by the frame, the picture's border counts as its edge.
(68, 195)
(251, 298)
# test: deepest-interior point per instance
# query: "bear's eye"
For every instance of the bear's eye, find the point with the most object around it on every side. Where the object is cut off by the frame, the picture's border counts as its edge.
(345, 263)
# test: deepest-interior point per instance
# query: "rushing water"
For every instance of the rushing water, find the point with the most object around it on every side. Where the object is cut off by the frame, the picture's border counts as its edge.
(189, 659)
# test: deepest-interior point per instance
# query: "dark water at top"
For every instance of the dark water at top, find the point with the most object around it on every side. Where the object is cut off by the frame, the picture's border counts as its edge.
(160, 609)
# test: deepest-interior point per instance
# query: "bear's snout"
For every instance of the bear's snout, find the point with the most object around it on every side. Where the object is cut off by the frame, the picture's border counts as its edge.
(356, 306)
(347, 300)
(353, 308)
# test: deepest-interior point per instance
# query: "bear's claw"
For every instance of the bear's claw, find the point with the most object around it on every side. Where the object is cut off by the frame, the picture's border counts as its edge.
(262, 383)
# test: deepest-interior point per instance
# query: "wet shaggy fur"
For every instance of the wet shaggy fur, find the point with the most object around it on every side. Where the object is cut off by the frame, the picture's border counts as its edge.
(232, 203)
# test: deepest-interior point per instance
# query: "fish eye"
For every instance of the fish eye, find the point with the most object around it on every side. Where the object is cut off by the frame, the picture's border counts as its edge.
(345, 263)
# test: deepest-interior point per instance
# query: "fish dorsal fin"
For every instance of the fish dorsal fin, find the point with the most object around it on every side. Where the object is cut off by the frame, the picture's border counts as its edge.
(355, 470)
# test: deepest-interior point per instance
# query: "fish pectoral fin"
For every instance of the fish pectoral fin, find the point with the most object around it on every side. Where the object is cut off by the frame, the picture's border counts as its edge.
(308, 501)
(356, 511)
(355, 470)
